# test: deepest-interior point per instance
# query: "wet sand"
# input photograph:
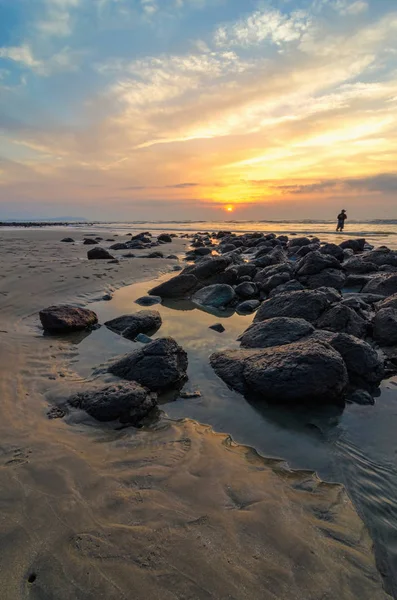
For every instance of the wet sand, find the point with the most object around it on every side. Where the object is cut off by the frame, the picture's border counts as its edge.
(171, 512)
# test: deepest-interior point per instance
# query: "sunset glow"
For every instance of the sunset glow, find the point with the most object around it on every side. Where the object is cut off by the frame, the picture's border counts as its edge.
(149, 109)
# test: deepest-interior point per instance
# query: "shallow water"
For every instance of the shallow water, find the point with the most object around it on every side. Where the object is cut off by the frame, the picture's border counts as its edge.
(356, 446)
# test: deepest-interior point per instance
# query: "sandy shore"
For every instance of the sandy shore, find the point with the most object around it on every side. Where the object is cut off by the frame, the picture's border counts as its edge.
(175, 513)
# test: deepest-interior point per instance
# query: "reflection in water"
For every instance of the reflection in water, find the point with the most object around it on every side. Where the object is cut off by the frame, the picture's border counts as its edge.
(355, 446)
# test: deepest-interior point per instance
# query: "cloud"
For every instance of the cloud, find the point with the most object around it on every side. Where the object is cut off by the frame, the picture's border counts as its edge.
(380, 183)
(21, 54)
(261, 26)
(57, 19)
(64, 60)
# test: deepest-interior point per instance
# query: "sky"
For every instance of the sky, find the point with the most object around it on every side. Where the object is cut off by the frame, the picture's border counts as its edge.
(198, 109)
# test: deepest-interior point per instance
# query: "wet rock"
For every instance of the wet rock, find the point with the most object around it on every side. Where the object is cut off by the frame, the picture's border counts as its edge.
(246, 290)
(119, 246)
(361, 397)
(299, 372)
(385, 327)
(357, 245)
(128, 402)
(68, 240)
(291, 286)
(299, 241)
(165, 238)
(341, 318)
(156, 254)
(64, 318)
(247, 307)
(274, 281)
(208, 267)
(204, 251)
(275, 332)
(129, 326)
(99, 254)
(328, 277)
(216, 296)
(148, 300)
(217, 327)
(334, 250)
(362, 361)
(384, 285)
(357, 265)
(90, 241)
(176, 287)
(305, 304)
(158, 365)
(316, 262)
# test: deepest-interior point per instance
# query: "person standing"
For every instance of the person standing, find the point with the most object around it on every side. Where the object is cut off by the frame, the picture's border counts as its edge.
(341, 220)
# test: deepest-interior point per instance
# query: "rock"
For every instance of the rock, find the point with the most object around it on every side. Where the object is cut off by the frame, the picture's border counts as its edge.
(305, 304)
(355, 245)
(341, 318)
(390, 302)
(68, 240)
(165, 238)
(176, 287)
(119, 246)
(291, 286)
(246, 290)
(158, 365)
(315, 262)
(217, 327)
(190, 395)
(129, 326)
(361, 397)
(107, 297)
(384, 285)
(128, 402)
(299, 372)
(299, 241)
(328, 277)
(271, 270)
(362, 361)
(177, 268)
(267, 285)
(172, 257)
(334, 250)
(99, 254)
(356, 264)
(64, 318)
(247, 307)
(90, 241)
(381, 257)
(143, 338)
(148, 300)
(204, 251)
(367, 298)
(303, 250)
(275, 332)
(216, 296)
(385, 327)
(208, 267)
(155, 255)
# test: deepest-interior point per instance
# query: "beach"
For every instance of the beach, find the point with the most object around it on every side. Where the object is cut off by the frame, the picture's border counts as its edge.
(171, 510)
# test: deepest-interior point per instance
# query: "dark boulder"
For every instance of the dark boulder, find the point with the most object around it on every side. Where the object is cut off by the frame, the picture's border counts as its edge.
(128, 402)
(315, 262)
(68, 240)
(333, 278)
(361, 397)
(356, 264)
(362, 361)
(381, 257)
(390, 302)
(119, 246)
(216, 296)
(218, 327)
(299, 241)
(155, 254)
(267, 285)
(246, 290)
(334, 250)
(291, 286)
(247, 307)
(90, 241)
(341, 318)
(165, 238)
(99, 254)
(208, 267)
(63, 318)
(305, 304)
(355, 245)
(385, 327)
(148, 300)
(158, 365)
(129, 326)
(176, 287)
(384, 285)
(299, 372)
(275, 332)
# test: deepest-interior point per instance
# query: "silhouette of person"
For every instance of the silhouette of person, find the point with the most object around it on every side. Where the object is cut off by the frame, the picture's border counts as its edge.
(341, 220)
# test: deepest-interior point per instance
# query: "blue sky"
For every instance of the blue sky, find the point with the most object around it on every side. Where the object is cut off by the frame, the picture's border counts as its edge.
(180, 108)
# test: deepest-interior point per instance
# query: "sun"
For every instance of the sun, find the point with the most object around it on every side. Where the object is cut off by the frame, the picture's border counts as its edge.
(229, 208)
